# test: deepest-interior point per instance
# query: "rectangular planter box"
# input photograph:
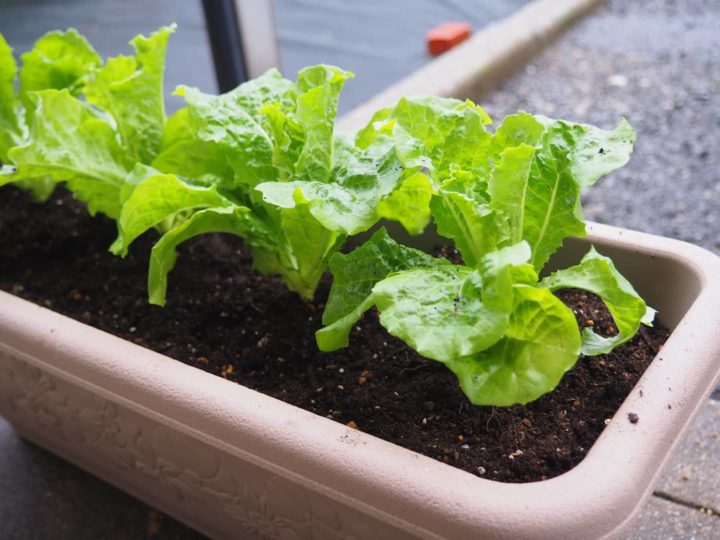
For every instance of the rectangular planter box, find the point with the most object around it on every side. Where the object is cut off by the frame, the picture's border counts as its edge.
(234, 463)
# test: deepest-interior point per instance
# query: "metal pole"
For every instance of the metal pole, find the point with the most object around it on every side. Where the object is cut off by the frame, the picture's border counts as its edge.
(221, 21)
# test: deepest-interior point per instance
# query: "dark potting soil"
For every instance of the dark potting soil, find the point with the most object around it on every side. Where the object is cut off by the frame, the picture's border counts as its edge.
(231, 321)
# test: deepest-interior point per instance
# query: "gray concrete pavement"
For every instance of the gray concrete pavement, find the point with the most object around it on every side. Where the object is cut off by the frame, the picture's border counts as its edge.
(694, 475)
(46, 498)
(664, 520)
(657, 63)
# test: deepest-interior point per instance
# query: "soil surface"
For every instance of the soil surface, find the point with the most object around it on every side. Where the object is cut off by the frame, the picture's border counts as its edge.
(231, 321)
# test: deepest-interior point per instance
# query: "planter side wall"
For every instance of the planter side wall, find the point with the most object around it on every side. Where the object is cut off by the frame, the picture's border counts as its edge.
(210, 490)
(234, 463)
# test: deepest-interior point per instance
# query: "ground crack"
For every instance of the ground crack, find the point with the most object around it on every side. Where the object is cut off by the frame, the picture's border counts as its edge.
(707, 510)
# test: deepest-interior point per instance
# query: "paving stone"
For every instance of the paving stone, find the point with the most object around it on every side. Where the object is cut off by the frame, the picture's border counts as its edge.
(693, 474)
(665, 520)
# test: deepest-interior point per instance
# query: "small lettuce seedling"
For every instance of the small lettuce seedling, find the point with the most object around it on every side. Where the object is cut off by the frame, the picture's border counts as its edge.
(507, 200)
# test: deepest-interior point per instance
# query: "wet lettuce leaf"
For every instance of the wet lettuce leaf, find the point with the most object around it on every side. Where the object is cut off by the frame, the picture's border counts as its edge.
(130, 88)
(597, 274)
(507, 200)
(58, 60)
(541, 342)
(268, 131)
(506, 339)
(157, 200)
(71, 143)
(12, 129)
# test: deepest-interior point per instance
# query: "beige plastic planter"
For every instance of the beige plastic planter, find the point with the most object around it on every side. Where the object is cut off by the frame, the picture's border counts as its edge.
(234, 463)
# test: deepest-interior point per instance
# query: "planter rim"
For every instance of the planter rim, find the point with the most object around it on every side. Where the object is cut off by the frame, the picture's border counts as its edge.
(342, 463)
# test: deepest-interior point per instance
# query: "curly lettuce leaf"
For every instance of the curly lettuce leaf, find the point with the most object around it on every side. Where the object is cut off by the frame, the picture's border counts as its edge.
(541, 342)
(365, 187)
(433, 133)
(303, 133)
(131, 89)
(182, 152)
(524, 183)
(354, 278)
(270, 128)
(356, 273)
(508, 201)
(236, 133)
(541, 167)
(302, 249)
(58, 60)
(158, 199)
(471, 225)
(535, 195)
(266, 130)
(441, 310)
(597, 274)
(593, 152)
(409, 203)
(12, 125)
(501, 270)
(270, 87)
(350, 202)
(460, 209)
(319, 89)
(516, 130)
(70, 143)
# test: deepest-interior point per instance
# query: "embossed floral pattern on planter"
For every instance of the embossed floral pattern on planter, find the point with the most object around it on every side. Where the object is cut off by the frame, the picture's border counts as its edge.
(185, 470)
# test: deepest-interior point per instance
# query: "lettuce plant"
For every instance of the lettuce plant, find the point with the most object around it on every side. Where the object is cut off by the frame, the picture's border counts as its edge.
(263, 162)
(507, 200)
(59, 60)
(80, 121)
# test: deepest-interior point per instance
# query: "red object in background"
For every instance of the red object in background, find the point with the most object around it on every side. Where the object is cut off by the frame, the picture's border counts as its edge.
(445, 36)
